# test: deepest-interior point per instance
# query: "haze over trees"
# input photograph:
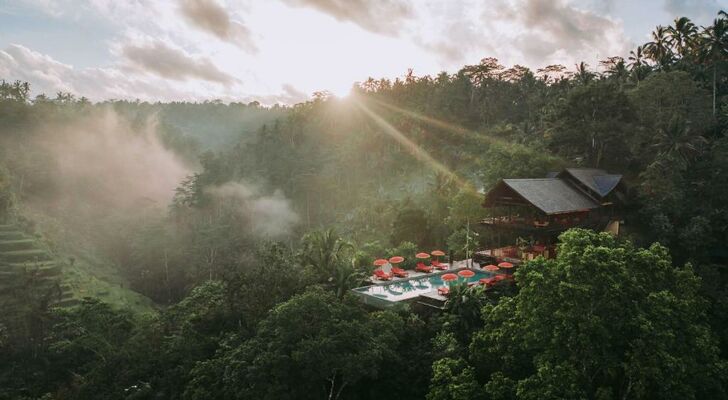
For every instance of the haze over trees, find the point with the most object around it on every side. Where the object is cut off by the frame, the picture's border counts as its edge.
(229, 234)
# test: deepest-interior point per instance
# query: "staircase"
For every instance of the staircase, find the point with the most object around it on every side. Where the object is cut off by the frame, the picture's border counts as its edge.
(24, 259)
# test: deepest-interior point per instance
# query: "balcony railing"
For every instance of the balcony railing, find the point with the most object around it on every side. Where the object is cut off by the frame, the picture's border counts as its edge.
(553, 224)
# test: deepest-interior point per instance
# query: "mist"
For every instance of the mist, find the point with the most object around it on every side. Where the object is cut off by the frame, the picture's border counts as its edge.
(269, 216)
(102, 164)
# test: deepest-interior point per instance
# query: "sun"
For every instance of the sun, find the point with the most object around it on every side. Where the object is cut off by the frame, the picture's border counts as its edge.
(341, 91)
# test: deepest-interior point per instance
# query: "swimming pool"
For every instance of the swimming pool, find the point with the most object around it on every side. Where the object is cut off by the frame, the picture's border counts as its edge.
(414, 287)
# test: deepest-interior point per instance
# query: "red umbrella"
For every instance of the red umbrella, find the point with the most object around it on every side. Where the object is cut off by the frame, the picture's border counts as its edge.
(396, 259)
(491, 268)
(438, 253)
(449, 277)
(500, 277)
(487, 281)
(466, 273)
(422, 255)
(505, 265)
(379, 262)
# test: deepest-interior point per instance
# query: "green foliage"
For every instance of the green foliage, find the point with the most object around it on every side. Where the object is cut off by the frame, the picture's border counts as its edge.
(592, 125)
(514, 161)
(408, 250)
(248, 318)
(453, 380)
(311, 346)
(411, 224)
(604, 318)
(463, 242)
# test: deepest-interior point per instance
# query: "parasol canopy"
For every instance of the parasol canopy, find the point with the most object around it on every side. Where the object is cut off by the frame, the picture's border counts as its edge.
(449, 277)
(422, 255)
(466, 273)
(491, 268)
(381, 261)
(396, 259)
(438, 253)
(505, 265)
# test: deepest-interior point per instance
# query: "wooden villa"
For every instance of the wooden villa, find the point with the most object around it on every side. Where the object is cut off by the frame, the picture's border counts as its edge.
(536, 211)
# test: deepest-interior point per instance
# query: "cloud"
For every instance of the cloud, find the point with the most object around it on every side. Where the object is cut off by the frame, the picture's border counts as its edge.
(545, 32)
(102, 163)
(700, 10)
(384, 16)
(47, 75)
(211, 17)
(168, 62)
(265, 215)
(527, 32)
(289, 95)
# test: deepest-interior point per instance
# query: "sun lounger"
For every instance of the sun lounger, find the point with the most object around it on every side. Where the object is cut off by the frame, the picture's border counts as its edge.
(381, 275)
(487, 281)
(443, 291)
(439, 265)
(399, 272)
(423, 268)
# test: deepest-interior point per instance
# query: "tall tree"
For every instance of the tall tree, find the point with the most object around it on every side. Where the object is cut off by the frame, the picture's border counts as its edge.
(682, 35)
(659, 49)
(603, 320)
(714, 49)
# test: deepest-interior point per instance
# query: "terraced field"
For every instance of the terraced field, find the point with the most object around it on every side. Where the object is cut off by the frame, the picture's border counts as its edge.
(61, 279)
(25, 262)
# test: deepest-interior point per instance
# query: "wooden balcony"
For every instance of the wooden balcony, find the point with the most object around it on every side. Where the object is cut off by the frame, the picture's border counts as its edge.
(552, 224)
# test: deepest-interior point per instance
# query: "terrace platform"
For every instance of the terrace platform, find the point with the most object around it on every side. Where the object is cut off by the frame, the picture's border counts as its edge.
(418, 288)
(457, 265)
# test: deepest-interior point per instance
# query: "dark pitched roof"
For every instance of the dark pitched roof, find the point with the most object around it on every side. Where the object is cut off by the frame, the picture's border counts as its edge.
(597, 180)
(551, 195)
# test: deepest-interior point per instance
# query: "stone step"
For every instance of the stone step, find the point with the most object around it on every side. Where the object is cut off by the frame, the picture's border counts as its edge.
(33, 264)
(68, 303)
(16, 244)
(10, 235)
(24, 255)
(48, 272)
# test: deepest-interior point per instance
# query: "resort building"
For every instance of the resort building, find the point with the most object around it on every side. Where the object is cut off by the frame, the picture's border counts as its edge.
(528, 212)
(532, 212)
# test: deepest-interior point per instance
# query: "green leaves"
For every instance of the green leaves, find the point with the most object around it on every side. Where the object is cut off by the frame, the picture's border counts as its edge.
(603, 319)
(310, 342)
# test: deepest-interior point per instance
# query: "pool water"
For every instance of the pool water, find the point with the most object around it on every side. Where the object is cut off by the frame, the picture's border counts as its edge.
(411, 288)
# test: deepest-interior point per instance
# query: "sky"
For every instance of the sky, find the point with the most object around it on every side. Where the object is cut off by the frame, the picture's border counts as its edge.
(282, 51)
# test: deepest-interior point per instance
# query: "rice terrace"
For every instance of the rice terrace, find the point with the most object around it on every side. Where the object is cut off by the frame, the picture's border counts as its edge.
(350, 199)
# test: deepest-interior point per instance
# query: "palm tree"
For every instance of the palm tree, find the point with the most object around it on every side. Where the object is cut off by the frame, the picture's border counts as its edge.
(658, 50)
(334, 260)
(682, 35)
(465, 304)
(582, 73)
(324, 250)
(615, 68)
(713, 48)
(637, 63)
(676, 143)
(636, 58)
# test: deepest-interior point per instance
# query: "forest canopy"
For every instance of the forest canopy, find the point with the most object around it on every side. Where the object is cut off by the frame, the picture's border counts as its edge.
(207, 250)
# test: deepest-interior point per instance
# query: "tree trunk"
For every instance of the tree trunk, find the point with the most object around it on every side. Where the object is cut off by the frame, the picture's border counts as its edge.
(166, 276)
(332, 380)
(715, 68)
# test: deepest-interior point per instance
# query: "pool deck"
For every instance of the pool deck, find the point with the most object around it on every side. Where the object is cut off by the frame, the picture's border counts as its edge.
(457, 265)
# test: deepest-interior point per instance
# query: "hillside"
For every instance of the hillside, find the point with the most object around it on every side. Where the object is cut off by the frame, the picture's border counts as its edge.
(61, 277)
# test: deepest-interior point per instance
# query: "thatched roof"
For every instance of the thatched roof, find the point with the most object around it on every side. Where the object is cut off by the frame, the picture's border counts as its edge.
(598, 181)
(550, 195)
